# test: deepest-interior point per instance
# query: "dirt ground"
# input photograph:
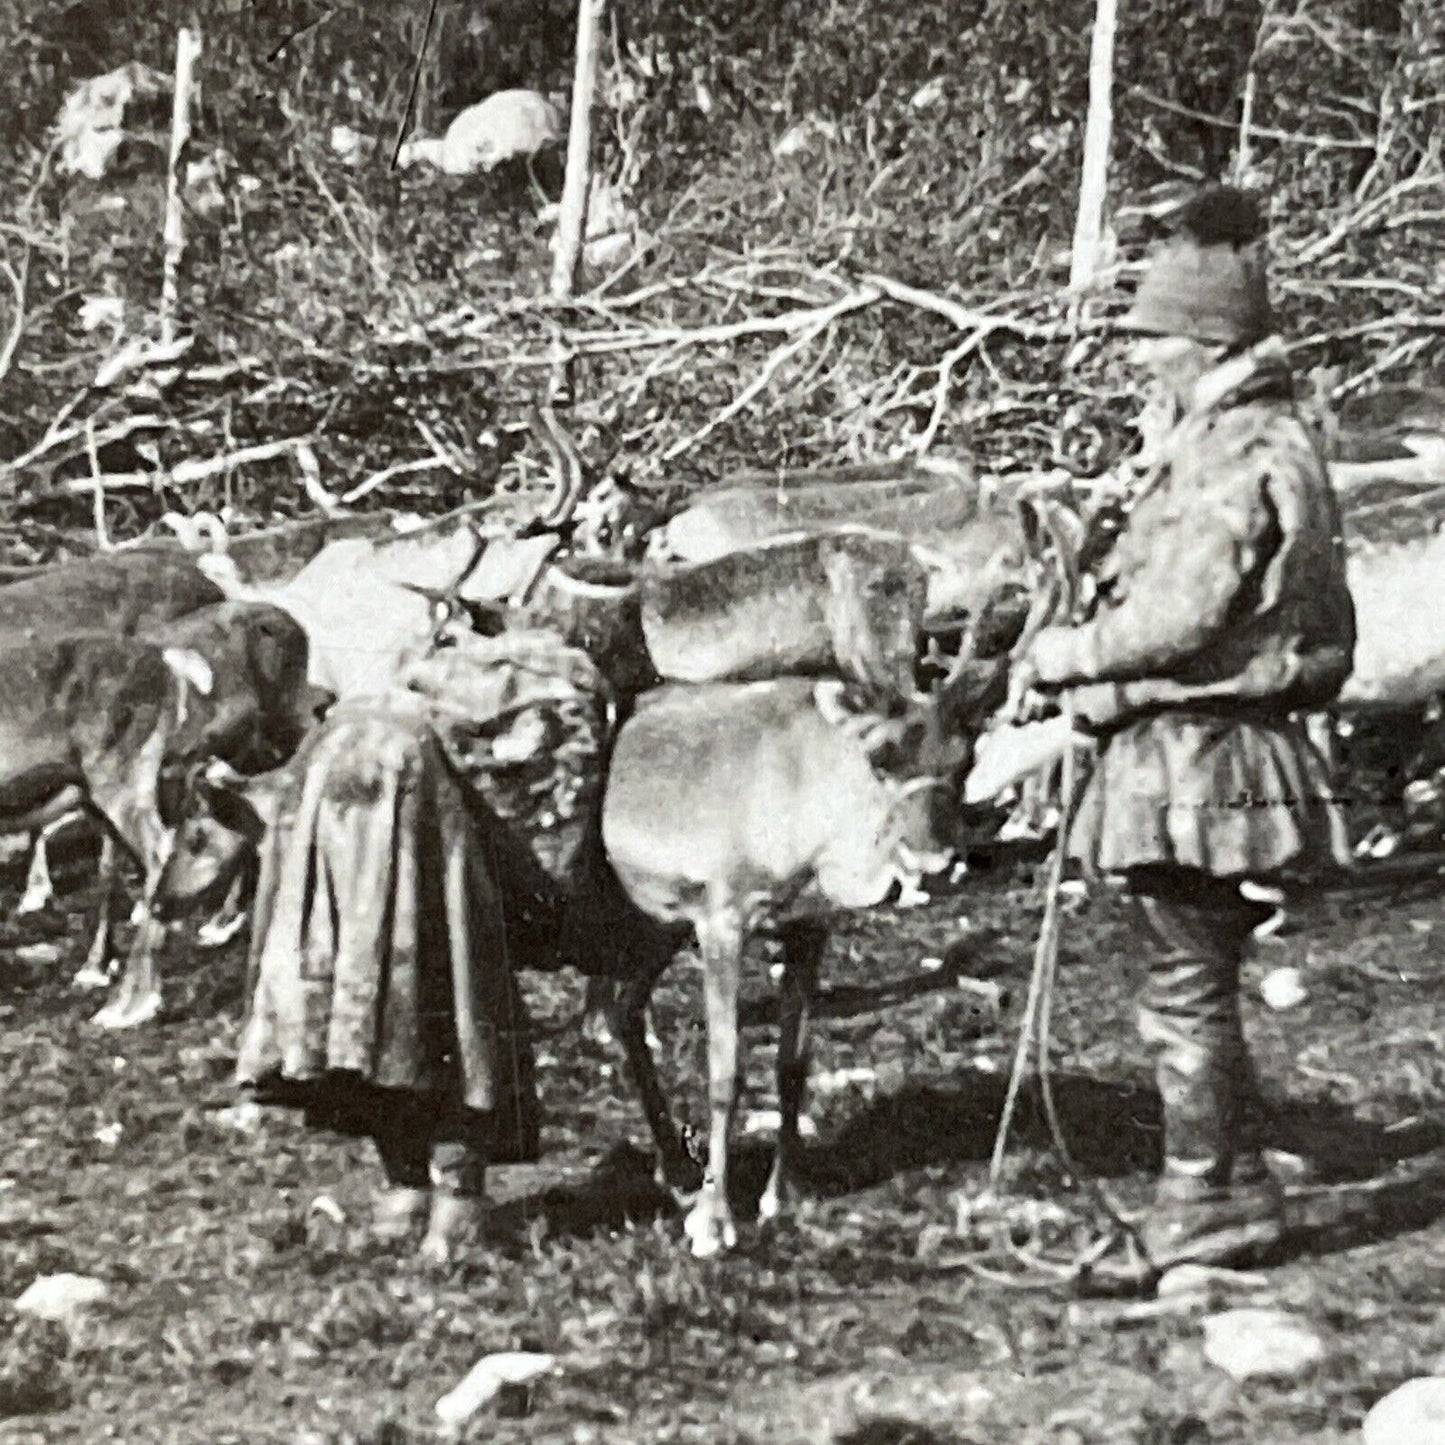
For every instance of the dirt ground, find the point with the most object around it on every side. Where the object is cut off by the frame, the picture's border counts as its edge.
(239, 1316)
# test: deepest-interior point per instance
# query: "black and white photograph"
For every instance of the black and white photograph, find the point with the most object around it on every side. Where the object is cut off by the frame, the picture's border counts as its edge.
(722, 722)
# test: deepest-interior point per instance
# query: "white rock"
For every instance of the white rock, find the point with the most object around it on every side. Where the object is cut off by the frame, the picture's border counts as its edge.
(1250, 1343)
(37, 953)
(927, 95)
(1283, 988)
(108, 1135)
(326, 1206)
(486, 1378)
(1414, 1414)
(244, 1118)
(62, 1297)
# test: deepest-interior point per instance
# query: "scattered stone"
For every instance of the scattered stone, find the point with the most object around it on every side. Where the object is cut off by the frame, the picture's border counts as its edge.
(38, 953)
(243, 1118)
(328, 1208)
(63, 1298)
(486, 1380)
(1283, 988)
(108, 1135)
(1414, 1414)
(1261, 1343)
(927, 95)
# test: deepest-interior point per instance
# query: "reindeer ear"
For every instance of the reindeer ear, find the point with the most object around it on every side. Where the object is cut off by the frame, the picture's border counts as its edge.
(190, 667)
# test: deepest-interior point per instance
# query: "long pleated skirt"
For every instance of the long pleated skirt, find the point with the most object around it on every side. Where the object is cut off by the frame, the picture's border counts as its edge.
(379, 958)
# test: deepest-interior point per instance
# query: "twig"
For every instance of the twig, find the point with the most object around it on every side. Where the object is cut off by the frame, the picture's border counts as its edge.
(368, 258)
(54, 440)
(642, 338)
(941, 391)
(410, 108)
(963, 317)
(1357, 218)
(1323, 142)
(396, 469)
(20, 284)
(102, 537)
(826, 317)
(196, 469)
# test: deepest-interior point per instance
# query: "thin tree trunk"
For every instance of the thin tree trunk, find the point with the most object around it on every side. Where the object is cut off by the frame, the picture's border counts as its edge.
(572, 221)
(188, 50)
(1093, 185)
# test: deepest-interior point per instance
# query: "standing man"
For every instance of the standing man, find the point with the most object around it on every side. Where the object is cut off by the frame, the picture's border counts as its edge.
(1223, 613)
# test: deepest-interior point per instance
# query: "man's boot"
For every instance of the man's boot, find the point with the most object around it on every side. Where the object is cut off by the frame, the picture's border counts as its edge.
(1211, 1207)
(459, 1202)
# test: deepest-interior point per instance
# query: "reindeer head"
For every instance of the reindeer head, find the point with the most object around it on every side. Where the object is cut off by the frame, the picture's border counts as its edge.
(223, 819)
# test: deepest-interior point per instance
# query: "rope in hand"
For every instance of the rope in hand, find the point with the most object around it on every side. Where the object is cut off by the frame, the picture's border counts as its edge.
(1038, 1006)
(1036, 1027)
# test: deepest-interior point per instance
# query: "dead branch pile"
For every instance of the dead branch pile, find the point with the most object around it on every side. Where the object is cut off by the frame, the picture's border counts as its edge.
(868, 266)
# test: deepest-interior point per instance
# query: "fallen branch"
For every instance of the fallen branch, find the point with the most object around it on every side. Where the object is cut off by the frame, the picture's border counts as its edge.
(964, 317)
(196, 469)
(758, 384)
(1357, 218)
(387, 474)
(941, 391)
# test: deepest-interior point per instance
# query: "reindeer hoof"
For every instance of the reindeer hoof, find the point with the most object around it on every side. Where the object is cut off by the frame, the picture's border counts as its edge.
(708, 1234)
(129, 1015)
(33, 900)
(597, 1030)
(91, 977)
(772, 1206)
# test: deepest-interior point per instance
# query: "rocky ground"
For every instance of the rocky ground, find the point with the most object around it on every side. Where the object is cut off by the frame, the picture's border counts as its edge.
(238, 1313)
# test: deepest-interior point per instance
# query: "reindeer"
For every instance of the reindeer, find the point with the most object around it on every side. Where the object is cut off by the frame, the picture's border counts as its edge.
(734, 806)
(126, 593)
(108, 725)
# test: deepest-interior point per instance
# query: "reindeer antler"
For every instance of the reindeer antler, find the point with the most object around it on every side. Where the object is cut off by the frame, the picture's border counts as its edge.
(566, 464)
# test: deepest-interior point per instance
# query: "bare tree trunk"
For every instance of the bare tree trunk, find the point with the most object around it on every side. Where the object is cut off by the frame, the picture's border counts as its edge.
(572, 222)
(1093, 185)
(188, 50)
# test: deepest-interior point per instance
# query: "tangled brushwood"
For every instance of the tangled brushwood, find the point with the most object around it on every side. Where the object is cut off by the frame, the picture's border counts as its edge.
(810, 240)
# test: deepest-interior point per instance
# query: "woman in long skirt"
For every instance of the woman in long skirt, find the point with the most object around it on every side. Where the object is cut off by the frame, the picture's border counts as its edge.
(381, 993)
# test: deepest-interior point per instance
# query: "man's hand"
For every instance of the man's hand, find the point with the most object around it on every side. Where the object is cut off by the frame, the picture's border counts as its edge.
(1025, 701)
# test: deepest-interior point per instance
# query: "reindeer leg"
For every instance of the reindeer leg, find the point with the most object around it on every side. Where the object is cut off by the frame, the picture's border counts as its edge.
(709, 1224)
(39, 889)
(803, 945)
(599, 1003)
(229, 919)
(98, 968)
(679, 1172)
(138, 998)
